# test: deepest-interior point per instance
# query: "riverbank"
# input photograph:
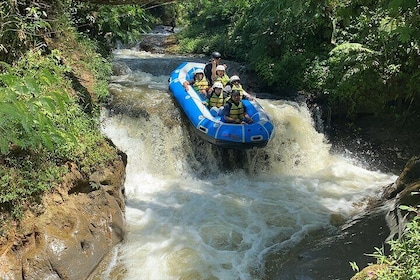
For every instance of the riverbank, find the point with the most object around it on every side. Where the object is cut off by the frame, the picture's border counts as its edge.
(65, 229)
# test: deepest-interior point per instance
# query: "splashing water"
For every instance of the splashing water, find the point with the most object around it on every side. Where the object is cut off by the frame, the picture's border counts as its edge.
(194, 211)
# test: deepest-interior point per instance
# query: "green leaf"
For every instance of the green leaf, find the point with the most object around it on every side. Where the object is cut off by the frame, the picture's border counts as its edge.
(32, 85)
(60, 99)
(394, 4)
(354, 266)
(4, 145)
(46, 139)
(9, 79)
(49, 102)
(404, 34)
(47, 77)
(404, 207)
(9, 111)
(350, 47)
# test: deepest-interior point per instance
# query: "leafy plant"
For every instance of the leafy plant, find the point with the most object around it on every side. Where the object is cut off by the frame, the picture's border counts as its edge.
(43, 126)
(29, 104)
(403, 262)
(362, 56)
(211, 25)
(112, 23)
(354, 266)
(22, 27)
(24, 175)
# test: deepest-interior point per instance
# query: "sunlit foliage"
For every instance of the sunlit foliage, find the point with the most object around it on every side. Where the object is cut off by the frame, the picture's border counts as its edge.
(360, 55)
(21, 27)
(44, 122)
(112, 23)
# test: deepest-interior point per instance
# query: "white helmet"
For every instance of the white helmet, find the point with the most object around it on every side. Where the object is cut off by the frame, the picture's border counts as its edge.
(199, 71)
(218, 85)
(234, 78)
(228, 89)
(220, 67)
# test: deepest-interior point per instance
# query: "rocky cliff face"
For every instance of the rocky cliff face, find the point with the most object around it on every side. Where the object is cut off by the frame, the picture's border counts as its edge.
(405, 191)
(81, 222)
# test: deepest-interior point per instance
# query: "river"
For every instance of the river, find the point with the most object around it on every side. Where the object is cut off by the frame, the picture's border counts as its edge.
(194, 211)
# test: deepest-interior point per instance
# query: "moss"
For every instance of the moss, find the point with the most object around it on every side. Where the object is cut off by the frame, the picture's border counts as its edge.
(370, 272)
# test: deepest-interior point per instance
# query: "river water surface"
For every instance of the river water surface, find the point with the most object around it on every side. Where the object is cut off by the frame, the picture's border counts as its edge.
(194, 211)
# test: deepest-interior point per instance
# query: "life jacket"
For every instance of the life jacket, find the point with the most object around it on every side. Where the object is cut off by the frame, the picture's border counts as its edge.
(224, 79)
(239, 88)
(237, 111)
(200, 85)
(216, 100)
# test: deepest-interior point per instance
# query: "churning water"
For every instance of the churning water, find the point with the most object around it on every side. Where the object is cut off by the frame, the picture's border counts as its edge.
(194, 211)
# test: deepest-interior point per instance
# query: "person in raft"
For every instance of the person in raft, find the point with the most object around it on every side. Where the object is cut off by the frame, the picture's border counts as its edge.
(220, 75)
(199, 82)
(216, 99)
(210, 67)
(235, 84)
(235, 111)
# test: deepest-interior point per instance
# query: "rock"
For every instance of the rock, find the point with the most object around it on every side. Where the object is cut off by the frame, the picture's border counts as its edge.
(324, 256)
(404, 184)
(394, 195)
(81, 223)
(119, 69)
(369, 272)
(9, 268)
(403, 192)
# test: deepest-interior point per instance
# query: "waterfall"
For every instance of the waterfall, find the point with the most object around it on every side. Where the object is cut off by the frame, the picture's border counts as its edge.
(195, 211)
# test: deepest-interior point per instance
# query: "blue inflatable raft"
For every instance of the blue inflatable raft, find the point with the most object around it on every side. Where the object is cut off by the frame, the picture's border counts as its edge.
(211, 128)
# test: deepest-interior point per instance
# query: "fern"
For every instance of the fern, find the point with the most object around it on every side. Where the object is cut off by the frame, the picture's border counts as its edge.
(347, 48)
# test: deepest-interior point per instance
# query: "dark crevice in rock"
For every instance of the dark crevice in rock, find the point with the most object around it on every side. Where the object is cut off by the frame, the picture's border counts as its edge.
(82, 186)
(55, 271)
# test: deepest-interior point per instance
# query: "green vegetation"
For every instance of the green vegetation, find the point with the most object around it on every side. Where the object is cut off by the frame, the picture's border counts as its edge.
(403, 262)
(109, 24)
(360, 56)
(53, 80)
(42, 128)
(31, 106)
(54, 71)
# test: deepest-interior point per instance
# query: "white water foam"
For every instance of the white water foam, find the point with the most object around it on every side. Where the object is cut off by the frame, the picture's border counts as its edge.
(187, 218)
(221, 226)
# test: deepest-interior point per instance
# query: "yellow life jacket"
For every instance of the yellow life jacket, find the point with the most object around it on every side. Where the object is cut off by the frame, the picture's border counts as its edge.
(224, 79)
(237, 111)
(216, 100)
(200, 85)
(239, 88)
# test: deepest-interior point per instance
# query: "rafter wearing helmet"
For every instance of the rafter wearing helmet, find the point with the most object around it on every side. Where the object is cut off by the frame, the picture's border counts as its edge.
(235, 84)
(220, 75)
(199, 82)
(210, 68)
